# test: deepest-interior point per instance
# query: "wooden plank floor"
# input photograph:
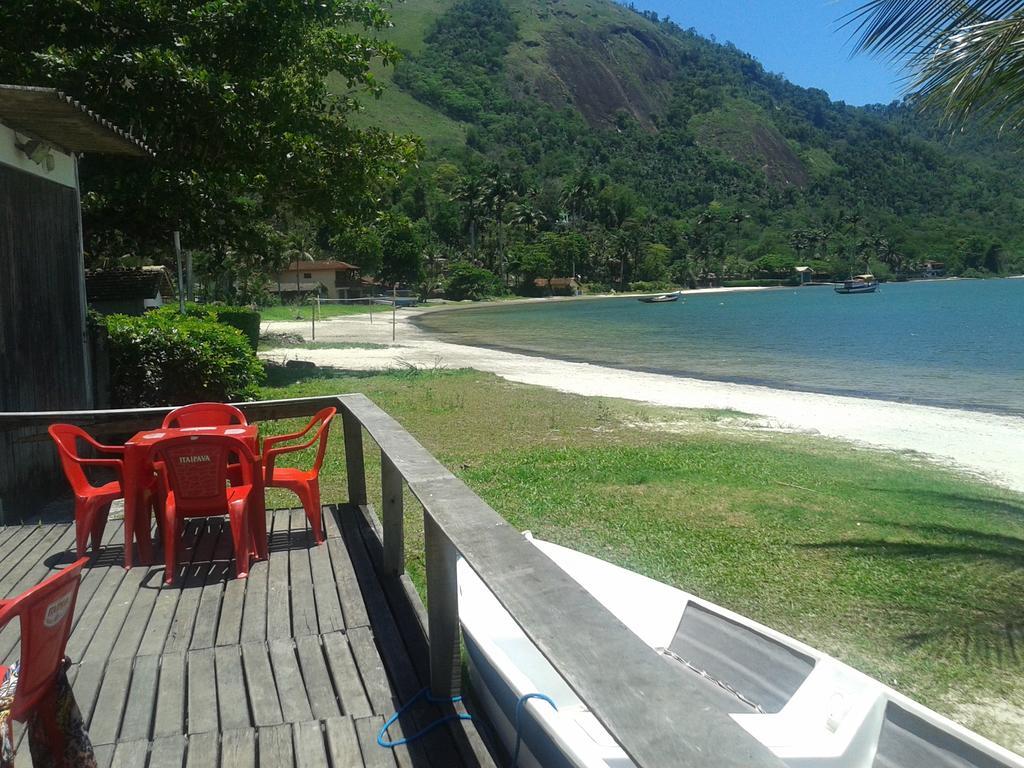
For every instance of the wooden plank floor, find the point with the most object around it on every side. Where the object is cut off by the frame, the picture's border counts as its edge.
(296, 666)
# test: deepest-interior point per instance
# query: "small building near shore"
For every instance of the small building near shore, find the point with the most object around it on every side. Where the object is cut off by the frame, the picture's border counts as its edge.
(933, 269)
(327, 279)
(806, 274)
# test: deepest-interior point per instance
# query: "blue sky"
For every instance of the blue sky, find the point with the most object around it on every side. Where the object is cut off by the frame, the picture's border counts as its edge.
(799, 38)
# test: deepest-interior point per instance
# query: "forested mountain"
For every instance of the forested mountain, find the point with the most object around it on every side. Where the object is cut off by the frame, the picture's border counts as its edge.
(584, 135)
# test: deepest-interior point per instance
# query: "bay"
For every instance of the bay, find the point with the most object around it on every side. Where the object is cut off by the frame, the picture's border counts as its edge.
(952, 343)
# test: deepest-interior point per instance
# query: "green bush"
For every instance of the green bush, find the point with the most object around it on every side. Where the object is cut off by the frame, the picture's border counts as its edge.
(163, 358)
(244, 319)
(653, 286)
(468, 282)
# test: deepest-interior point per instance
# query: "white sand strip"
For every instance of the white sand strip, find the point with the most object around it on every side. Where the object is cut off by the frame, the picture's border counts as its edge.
(987, 445)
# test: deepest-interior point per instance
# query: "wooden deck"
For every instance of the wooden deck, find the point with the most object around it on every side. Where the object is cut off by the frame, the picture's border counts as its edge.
(298, 665)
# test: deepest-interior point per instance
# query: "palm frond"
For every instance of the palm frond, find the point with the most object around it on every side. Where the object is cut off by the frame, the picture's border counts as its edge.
(978, 69)
(915, 29)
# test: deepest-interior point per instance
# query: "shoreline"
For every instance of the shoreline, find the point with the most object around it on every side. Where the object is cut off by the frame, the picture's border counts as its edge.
(444, 305)
(442, 336)
(983, 444)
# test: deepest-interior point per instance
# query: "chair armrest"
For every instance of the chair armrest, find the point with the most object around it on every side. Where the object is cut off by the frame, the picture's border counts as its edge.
(270, 454)
(115, 449)
(115, 464)
(275, 439)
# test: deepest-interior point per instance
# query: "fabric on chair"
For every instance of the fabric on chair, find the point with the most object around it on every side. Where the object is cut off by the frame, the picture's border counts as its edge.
(8, 684)
(78, 751)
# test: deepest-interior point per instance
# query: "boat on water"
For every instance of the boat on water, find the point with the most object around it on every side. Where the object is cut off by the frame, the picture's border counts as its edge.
(809, 709)
(661, 298)
(858, 284)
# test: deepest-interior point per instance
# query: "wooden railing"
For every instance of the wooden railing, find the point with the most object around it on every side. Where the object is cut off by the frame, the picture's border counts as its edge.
(656, 711)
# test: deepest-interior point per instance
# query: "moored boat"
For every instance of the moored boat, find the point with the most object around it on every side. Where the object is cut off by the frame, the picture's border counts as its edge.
(858, 284)
(809, 709)
(661, 298)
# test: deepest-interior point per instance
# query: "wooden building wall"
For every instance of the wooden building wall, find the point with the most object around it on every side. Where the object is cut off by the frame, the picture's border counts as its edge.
(42, 359)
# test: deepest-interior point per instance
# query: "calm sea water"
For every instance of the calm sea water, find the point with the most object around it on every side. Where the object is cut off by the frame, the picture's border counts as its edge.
(954, 343)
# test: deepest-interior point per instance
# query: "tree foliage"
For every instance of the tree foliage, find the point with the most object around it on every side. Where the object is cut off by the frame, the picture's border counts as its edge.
(466, 281)
(233, 97)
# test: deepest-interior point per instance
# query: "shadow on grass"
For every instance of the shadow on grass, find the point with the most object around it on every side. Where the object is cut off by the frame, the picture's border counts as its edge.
(926, 549)
(960, 500)
(281, 376)
(285, 376)
(980, 618)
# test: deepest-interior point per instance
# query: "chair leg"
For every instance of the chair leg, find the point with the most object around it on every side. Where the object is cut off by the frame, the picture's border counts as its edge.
(241, 535)
(170, 542)
(315, 512)
(158, 513)
(309, 495)
(129, 542)
(99, 524)
(85, 516)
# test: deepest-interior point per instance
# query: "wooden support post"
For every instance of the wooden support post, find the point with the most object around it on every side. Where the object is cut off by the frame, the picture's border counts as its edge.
(393, 516)
(442, 611)
(354, 466)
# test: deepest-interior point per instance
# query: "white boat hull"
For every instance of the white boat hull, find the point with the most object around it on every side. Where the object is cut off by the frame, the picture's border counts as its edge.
(809, 709)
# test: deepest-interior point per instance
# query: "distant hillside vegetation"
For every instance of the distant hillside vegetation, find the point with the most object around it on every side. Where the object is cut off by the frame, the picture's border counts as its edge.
(614, 125)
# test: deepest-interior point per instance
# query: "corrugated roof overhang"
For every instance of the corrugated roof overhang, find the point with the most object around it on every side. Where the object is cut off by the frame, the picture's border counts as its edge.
(49, 115)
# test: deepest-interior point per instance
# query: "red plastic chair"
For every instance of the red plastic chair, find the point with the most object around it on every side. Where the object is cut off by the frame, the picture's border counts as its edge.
(207, 415)
(195, 470)
(92, 502)
(46, 612)
(303, 483)
(204, 415)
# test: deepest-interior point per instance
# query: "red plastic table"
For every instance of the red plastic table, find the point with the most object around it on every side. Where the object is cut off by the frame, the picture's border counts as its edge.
(137, 463)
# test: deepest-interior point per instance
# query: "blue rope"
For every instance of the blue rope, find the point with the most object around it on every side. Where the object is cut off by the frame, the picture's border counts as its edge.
(424, 694)
(519, 716)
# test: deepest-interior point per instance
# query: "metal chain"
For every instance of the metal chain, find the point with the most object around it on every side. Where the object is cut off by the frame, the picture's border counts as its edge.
(720, 683)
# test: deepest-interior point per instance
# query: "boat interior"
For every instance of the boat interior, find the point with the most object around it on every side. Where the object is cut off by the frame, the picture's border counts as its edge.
(811, 710)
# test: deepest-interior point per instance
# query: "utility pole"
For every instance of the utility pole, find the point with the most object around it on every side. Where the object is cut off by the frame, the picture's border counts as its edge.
(181, 280)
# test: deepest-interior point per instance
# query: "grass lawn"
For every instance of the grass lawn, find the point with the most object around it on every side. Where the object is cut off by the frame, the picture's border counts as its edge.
(295, 341)
(289, 312)
(908, 572)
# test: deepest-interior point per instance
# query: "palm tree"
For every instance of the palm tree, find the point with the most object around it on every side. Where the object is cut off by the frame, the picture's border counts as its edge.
(577, 194)
(499, 189)
(967, 55)
(470, 192)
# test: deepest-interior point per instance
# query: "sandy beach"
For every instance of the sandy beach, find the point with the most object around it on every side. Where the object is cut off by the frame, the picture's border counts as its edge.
(986, 445)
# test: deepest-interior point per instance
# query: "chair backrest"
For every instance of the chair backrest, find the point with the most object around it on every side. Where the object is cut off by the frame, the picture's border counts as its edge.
(46, 612)
(326, 415)
(196, 469)
(66, 436)
(204, 415)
